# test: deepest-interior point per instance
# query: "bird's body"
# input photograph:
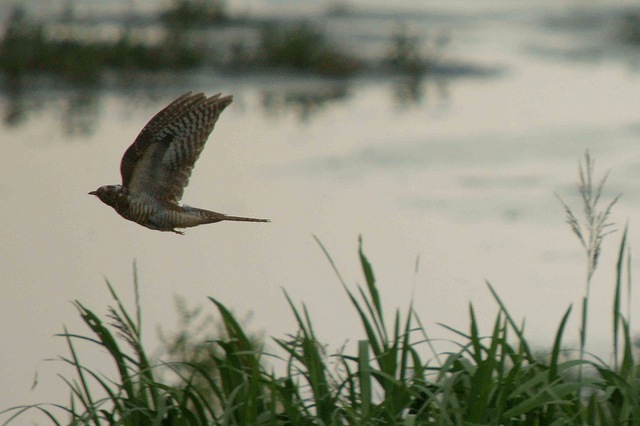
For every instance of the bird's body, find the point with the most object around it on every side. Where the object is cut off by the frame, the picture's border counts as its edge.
(156, 167)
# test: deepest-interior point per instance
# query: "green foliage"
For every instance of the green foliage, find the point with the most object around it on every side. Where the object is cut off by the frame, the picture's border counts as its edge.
(630, 26)
(193, 13)
(135, 396)
(303, 47)
(195, 346)
(395, 376)
(24, 50)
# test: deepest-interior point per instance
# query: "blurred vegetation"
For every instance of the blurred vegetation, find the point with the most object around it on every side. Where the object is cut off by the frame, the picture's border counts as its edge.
(76, 50)
(25, 51)
(305, 101)
(405, 53)
(630, 27)
(300, 47)
(412, 54)
(303, 47)
(194, 13)
(194, 344)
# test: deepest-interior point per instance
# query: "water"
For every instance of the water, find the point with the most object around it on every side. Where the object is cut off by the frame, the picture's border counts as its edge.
(458, 172)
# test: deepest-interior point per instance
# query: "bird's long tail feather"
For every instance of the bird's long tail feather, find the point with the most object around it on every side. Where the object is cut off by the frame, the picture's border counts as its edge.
(208, 216)
(195, 216)
(244, 219)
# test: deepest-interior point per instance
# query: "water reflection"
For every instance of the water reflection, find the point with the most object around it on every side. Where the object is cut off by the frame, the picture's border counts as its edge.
(304, 102)
(79, 110)
(15, 111)
(79, 107)
(413, 89)
(80, 116)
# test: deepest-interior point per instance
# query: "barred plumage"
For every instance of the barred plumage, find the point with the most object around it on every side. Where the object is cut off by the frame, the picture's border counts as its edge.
(156, 168)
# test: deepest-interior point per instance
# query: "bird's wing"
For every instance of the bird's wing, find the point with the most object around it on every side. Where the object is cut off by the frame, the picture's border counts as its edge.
(160, 160)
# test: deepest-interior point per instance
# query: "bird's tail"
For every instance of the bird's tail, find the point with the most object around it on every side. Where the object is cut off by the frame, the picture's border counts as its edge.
(201, 216)
(243, 219)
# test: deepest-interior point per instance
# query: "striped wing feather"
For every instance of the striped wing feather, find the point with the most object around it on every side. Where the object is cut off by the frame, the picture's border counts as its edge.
(160, 160)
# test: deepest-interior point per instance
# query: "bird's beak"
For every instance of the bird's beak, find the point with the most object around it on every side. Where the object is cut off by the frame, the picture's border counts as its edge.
(93, 193)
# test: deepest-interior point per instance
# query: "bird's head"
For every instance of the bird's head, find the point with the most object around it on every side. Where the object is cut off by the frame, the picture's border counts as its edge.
(110, 194)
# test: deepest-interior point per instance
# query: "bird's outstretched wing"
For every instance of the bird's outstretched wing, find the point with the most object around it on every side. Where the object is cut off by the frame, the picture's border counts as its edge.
(160, 160)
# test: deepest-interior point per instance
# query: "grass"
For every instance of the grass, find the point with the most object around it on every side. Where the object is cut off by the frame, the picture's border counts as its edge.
(591, 231)
(393, 376)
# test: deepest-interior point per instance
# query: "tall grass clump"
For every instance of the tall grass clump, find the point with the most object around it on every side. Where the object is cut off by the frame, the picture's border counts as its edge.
(134, 396)
(393, 375)
(590, 230)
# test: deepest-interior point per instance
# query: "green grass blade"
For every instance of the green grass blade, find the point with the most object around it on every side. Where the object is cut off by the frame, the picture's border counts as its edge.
(617, 295)
(542, 398)
(406, 346)
(109, 343)
(482, 382)
(115, 399)
(629, 263)
(557, 346)
(427, 339)
(514, 326)
(233, 327)
(458, 332)
(20, 410)
(376, 344)
(306, 351)
(628, 362)
(374, 318)
(371, 281)
(583, 326)
(474, 338)
(364, 377)
(331, 262)
(84, 394)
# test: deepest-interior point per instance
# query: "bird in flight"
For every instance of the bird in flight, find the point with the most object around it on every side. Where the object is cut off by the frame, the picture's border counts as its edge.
(156, 168)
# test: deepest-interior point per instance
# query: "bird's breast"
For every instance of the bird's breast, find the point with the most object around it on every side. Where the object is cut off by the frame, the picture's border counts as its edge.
(138, 208)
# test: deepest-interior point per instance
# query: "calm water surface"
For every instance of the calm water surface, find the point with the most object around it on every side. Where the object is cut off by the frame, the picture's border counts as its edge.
(460, 172)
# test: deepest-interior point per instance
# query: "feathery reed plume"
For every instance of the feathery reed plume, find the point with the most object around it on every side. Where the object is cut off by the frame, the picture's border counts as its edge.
(592, 229)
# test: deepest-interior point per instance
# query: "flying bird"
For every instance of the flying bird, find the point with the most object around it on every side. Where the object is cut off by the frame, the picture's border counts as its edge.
(156, 168)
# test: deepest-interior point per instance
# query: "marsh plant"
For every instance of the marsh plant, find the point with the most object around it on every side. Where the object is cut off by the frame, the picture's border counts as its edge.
(590, 228)
(394, 375)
